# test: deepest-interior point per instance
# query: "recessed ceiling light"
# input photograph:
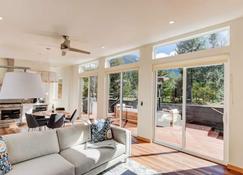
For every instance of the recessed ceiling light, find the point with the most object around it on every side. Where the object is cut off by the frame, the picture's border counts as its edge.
(171, 22)
(1, 18)
(102, 47)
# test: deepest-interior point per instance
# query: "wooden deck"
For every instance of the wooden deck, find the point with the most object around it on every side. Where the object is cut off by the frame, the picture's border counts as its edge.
(197, 140)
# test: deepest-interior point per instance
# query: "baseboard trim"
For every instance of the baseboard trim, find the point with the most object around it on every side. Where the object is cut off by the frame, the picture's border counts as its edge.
(235, 168)
(144, 139)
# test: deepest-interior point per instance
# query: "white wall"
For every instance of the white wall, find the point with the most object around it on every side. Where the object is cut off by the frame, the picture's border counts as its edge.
(34, 65)
(3, 62)
(68, 99)
(236, 94)
(145, 93)
(74, 90)
(146, 89)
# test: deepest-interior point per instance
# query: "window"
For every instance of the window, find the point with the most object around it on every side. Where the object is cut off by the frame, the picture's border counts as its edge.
(53, 91)
(59, 88)
(88, 67)
(215, 39)
(89, 96)
(127, 58)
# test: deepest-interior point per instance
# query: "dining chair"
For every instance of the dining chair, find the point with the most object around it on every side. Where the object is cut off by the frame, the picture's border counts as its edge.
(72, 119)
(32, 123)
(56, 121)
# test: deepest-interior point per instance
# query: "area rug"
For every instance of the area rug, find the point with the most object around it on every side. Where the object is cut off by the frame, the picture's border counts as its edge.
(131, 167)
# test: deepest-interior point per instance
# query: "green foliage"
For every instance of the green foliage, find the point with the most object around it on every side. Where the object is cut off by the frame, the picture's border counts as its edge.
(115, 62)
(205, 85)
(130, 85)
(93, 86)
(191, 45)
(114, 86)
(85, 82)
(170, 85)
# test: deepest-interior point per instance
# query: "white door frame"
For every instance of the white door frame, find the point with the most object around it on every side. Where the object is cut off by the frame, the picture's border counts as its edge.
(225, 116)
(81, 93)
(121, 90)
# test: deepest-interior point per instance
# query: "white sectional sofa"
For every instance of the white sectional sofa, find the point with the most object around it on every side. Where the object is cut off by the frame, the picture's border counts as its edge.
(64, 151)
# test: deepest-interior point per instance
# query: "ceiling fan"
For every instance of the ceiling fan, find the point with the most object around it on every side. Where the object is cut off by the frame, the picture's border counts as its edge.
(65, 46)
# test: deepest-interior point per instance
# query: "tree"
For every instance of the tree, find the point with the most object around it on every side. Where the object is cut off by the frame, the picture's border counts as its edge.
(130, 84)
(170, 86)
(204, 84)
(114, 86)
(191, 45)
(213, 40)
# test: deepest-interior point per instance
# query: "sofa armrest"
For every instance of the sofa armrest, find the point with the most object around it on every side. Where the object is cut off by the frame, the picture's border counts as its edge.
(123, 136)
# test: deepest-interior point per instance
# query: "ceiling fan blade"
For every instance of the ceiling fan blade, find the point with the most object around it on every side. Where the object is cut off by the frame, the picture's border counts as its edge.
(77, 50)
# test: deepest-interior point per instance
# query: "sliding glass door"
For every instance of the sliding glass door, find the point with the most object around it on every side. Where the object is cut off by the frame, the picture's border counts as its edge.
(123, 99)
(89, 97)
(205, 111)
(84, 96)
(190, 110)
(93, 97)
(168, 123)
(114, 99)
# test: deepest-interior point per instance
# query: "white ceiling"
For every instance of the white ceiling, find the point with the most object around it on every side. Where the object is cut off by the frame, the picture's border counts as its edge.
(30, 26)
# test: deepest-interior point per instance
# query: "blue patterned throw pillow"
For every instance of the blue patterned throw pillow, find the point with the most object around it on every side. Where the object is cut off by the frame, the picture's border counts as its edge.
(5, 165)
(101, 130)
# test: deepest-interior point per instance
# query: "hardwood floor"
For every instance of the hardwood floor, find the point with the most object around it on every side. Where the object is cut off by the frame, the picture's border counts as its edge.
(171, 162)
(159, 158)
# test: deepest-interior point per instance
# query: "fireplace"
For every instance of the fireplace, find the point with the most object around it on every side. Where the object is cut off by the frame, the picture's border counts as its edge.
(10, 113)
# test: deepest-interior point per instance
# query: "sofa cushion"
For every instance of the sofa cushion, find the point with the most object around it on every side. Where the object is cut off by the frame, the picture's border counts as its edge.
(52, 164)
(101, 130)
(5, 165)
(87, 159)
(74, 135)
(29, 145)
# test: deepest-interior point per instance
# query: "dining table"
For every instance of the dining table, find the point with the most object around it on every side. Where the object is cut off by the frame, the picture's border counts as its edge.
(48, 113)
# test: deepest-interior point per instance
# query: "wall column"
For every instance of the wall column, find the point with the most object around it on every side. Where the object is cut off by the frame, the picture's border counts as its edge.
(101, 107)
(145, 93)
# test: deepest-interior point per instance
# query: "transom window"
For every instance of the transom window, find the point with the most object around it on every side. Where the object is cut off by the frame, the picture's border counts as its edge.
(213, 39)
(127, 58)
(88, 66)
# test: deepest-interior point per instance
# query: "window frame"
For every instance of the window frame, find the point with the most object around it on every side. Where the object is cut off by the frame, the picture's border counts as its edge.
(81, 94)
(193, 36)
(86, 63)
(107, 64)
